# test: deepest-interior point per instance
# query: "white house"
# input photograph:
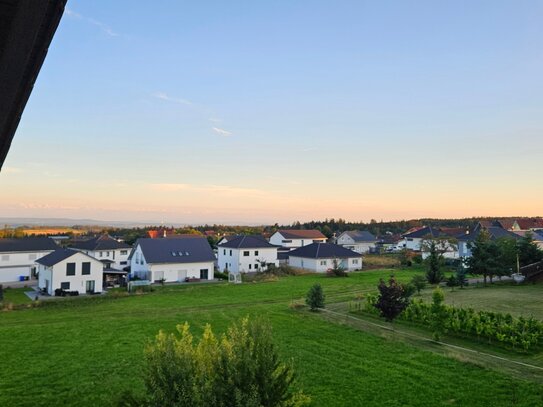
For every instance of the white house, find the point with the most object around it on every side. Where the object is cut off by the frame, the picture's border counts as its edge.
(105, 248)
(494, 232)
(70, 270)
(18, 257)
(172, 260)
(320, 257)
(413, 239)
(246, 253)
(296, 238)
(359, 241)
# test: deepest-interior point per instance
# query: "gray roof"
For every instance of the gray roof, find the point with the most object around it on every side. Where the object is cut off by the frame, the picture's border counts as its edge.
(182, 250)
(495, 232)
(360, 236)
(323, 251)
(426, 231)
(247, 242)
(27, 244)
(104, 242)
(56, 257)
(301, 234)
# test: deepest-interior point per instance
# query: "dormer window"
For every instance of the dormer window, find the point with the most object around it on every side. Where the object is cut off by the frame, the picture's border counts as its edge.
(180, 253)
(174, 254)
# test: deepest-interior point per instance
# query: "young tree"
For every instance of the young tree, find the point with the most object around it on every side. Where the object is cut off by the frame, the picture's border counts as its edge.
(242, 368)
(460, 276)
(315, 297)
(419, 282)
(528, 251)
(438, 313)
(434, 262)
(337, 269)
(393, 299)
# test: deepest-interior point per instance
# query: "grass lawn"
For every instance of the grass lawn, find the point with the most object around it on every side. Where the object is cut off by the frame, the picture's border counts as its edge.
(16, 296)
(81, 352)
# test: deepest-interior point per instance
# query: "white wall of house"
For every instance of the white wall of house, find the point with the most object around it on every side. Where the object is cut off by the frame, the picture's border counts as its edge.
(53, 277)
(15, 264)
(247, 259)
(463, 249)
(279, 240)
(322, 265)
(119, 257)
(171, 272)
(413, 243)
(349, 243)
(177, 272)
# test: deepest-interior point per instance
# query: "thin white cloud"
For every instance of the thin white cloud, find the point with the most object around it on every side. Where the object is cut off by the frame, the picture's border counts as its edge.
(11, 170)
(164, 96)
(222, 132)
(104, 27)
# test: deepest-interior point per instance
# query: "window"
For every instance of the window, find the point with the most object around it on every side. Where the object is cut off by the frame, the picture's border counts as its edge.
(123, 263)
(224, 252)
(230, 252)
(86, 268)
(174, 254)
(250, 266)
(409, 239)
(204, 273)
(5, 257)
(65, 286)
(355, 261)
(323, 262)
(256, 252)
(107, 254)
(256, 266)
(124, 252)
(101, 254)
(287, 241)
(246, 253)
(70, 269)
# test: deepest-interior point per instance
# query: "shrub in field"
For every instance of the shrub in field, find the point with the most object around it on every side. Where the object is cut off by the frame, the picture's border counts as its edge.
(438, 313)
(393, 299)
(242, 368)
(315, 297)
(419, 282)
(337, 270)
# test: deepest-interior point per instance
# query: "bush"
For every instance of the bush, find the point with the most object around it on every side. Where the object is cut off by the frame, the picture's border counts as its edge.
(315, 297)
(419, 282)
(242, 368)
(393, 299)
(220, 275)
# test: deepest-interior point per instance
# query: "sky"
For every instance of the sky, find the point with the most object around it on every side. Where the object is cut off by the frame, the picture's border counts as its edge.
(264, 112)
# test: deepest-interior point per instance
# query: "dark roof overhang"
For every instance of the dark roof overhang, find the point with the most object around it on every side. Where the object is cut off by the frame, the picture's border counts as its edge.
(26, 30)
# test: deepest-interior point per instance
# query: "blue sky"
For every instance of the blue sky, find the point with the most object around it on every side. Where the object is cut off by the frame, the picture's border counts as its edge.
(281, 111)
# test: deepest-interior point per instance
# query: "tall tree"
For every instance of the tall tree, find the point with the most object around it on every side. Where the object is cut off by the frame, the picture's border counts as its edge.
(434, 262)
(528, 251)
(485, 257)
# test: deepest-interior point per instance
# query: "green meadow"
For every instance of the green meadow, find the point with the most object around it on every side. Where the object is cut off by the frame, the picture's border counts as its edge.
(85, 352)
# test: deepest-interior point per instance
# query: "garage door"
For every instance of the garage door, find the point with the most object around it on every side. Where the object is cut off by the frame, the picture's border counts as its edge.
(10, 274)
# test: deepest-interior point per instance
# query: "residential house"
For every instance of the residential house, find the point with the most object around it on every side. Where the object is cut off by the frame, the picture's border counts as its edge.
(414, 238)
(104, 247)
(495, 232)
(320, 257)
(296, 238)
(70, 270)
(246, 254)
(172, 260)
(18, 257)
(360, 241)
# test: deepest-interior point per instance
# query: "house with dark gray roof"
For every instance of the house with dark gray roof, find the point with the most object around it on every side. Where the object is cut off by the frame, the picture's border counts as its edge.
(70, 270)
(172, 260)
(18, 257)
(105, 248)
(246, 253)
(360, 241)
(494, 232)
(296, 237)
(320, 257)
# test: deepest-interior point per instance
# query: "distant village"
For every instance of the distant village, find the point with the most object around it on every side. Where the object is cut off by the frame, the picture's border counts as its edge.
(82, 264)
